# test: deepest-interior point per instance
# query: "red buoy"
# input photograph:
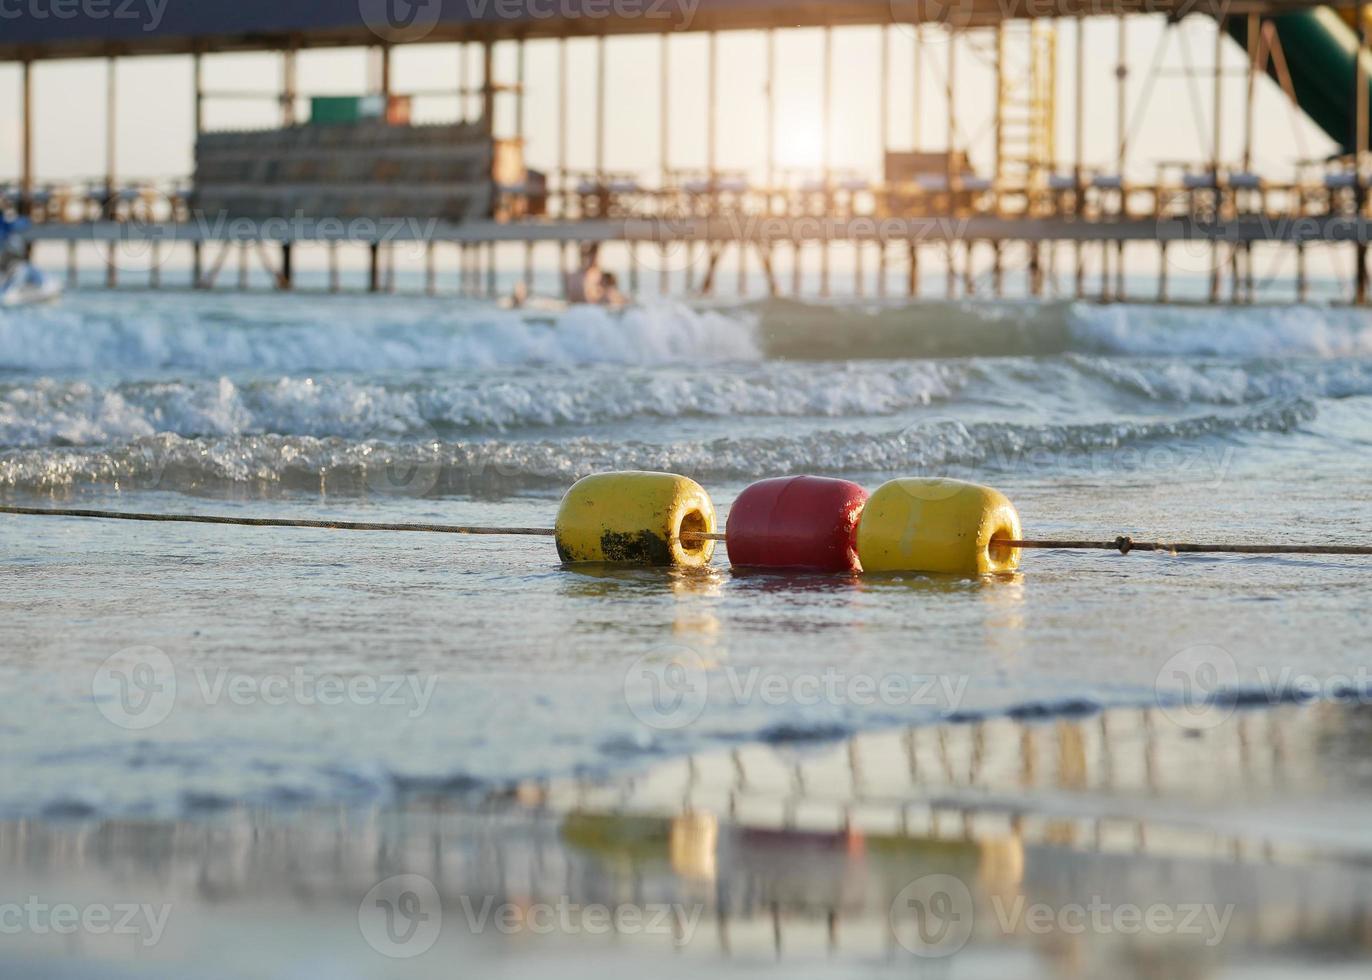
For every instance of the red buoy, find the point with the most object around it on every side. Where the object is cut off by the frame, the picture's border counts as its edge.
(800, 522)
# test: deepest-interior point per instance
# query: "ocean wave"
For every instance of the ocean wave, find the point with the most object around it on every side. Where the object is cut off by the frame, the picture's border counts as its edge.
(79, 413)
(981, 328)
(212, 335)
(1215, 382)
(503, 466)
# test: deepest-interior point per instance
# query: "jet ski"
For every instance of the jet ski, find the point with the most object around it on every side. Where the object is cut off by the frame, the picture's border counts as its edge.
(23, 284)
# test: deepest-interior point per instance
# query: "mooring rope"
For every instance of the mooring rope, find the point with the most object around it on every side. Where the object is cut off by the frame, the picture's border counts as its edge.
(114, 515)
(1123, 544)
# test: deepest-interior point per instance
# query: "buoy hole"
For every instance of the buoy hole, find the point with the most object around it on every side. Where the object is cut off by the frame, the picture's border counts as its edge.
(692, 523)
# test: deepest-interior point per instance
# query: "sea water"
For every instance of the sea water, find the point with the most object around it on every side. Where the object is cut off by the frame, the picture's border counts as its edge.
(166, 670)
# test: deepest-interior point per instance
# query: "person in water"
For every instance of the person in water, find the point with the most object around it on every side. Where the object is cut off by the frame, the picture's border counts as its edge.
(584, 286)
(11, 249)
(609, 290)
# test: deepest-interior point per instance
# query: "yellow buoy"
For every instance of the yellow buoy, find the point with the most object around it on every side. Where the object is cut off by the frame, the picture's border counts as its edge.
(635, 518)
(936, 525)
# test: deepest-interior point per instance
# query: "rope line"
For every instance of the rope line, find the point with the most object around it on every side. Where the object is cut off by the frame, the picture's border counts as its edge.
(111, 515)
(1122, 544)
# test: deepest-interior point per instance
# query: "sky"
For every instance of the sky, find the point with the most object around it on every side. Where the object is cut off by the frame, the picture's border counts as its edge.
(1169, 114)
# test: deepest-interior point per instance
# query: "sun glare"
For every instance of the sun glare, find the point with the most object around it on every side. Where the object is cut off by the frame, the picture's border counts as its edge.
(800, 143)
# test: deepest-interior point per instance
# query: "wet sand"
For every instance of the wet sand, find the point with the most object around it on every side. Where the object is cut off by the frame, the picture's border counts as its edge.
(1113, 844)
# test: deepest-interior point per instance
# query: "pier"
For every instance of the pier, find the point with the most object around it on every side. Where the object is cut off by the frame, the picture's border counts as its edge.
(1024, 210)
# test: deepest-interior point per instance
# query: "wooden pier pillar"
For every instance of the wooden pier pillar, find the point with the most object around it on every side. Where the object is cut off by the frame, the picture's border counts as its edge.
(72, 273)
(154, 264)
(519, 90)
(242, 265)
(198, 94)
(1360, 273)
(563, 181)
(197, 265)
(600, 114)
(969, 282)
(374, 267)
(1302, 284)
(287, 277)
(111, 201)
(712, 110)
(771, 113)
(825, 115)
(1119, 271)
(1162, 272)
(1036, 269)
(529, 267)
(491, 284)
(997, 271)
(1235, 273)
(288, 86)
(1216, 261)
(488, 87)
(26, 139)
(882, 259)
(430, 270)
(111, 129)
(912, 273)
(1248, 284)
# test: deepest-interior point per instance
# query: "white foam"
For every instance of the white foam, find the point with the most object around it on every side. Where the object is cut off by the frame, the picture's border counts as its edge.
(214, 334)
(1228, 331)
(83, 413)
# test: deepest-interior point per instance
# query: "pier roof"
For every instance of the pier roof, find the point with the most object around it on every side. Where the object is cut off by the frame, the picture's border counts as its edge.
(39, 29)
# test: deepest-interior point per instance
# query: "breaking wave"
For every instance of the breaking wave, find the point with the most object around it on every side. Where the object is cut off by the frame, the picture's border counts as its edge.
(213, 335)
(435, 467)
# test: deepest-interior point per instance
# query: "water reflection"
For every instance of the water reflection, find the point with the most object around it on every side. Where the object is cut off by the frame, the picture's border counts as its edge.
(1116, 845)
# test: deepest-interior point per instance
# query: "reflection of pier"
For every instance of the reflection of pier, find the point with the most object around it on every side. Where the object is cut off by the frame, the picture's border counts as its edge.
(798, 852)
(1023, 208)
